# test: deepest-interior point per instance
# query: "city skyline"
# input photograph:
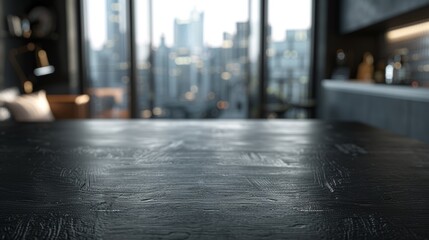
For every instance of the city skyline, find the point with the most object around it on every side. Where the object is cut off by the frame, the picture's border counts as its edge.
(190, 79)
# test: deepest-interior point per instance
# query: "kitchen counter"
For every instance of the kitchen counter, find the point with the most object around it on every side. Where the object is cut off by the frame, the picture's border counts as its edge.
(379, 90)
(399, 109)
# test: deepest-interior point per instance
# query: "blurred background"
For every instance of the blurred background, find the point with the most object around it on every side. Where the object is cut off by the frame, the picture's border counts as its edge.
(171, 59)
(365, 61)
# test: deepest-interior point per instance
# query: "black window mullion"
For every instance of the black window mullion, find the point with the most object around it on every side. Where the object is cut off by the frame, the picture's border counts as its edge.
(263, 77)
(133, 104)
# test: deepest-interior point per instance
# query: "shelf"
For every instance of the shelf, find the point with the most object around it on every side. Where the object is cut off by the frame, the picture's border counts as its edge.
(380, 90)
(51, 37)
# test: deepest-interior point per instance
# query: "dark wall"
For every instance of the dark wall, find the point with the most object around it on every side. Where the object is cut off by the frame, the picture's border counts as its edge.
(55, 44)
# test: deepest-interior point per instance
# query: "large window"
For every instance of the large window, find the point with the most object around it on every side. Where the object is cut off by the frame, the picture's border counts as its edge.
(107, 57)
(288, 56)
(199, 58)
(196, 58)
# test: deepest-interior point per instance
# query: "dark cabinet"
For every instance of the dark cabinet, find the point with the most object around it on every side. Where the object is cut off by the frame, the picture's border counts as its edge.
(357, 15)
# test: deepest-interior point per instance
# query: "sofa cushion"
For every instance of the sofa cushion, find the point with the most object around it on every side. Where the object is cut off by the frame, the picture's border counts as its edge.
(32, 107)
(8, 94)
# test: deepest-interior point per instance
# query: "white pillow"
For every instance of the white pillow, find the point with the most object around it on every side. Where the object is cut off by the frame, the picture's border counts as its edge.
(7, 95)
(4, 114)
(32, 107)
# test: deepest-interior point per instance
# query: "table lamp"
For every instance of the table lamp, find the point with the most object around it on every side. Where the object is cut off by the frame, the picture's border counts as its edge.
(42, 64)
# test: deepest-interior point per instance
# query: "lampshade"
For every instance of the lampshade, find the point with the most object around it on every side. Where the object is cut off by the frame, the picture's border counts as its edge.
(42, 64)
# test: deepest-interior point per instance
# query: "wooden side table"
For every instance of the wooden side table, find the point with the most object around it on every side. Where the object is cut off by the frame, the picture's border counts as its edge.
(69, 106)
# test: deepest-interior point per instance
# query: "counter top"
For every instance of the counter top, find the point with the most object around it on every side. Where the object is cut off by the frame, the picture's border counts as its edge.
(381, 90)
(235, 179)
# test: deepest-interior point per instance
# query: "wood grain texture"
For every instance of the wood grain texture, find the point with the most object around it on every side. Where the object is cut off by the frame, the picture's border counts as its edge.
(211, 180)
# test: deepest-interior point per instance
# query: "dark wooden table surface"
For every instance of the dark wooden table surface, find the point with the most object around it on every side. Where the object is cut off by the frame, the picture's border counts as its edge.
(211, 179)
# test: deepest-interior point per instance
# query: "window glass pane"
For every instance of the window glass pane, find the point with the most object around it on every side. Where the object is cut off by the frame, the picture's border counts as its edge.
(193, 57)
(106, 57)
(289, 53)
(143, 44)
(199, 59)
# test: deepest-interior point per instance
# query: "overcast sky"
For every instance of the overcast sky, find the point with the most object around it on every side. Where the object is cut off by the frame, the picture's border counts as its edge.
(219, 16)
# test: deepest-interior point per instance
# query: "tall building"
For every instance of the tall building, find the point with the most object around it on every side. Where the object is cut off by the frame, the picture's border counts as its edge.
(288, 66)
(188, 47)
(189, 33)
(164, 84)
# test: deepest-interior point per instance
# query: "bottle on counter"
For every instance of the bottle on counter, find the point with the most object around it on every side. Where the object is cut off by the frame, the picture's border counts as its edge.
(380, 72)
(341, 70)
(400, 72)
(389, 70)
(397, 71)
(366, 68)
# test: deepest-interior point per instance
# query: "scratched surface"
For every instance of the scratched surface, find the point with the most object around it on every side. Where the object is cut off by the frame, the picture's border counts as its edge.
(211, 180)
